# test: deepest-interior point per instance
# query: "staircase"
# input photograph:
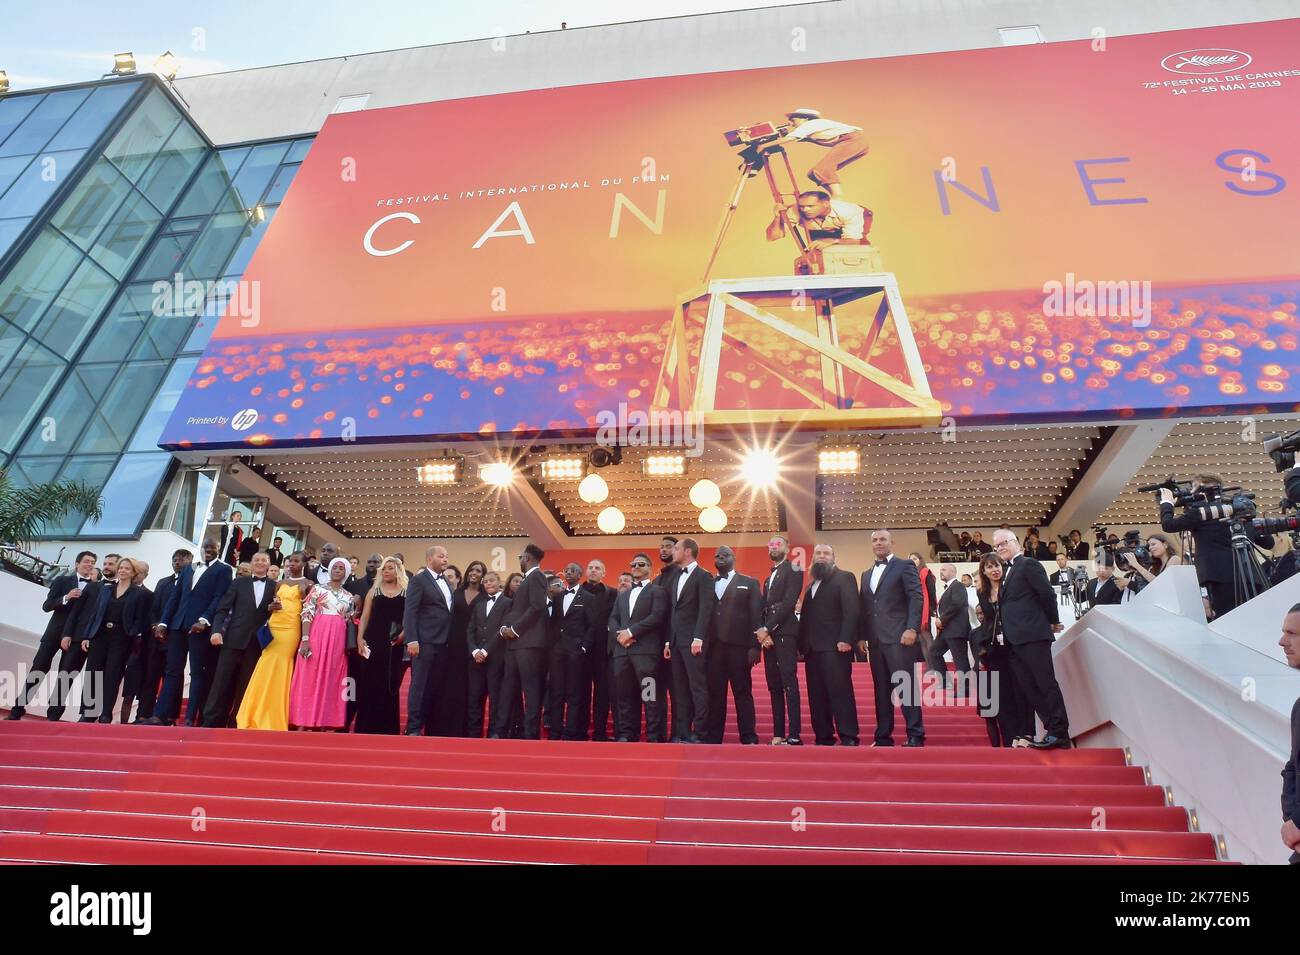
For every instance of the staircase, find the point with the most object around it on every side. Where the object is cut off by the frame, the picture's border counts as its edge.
(135, 795)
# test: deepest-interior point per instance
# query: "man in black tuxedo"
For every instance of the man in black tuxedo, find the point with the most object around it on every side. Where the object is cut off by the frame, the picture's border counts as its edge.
(1212, 541)
(59, 603)
(733, 648)
(275, 552)
(250, 546)
(828, 625)
(953, 628)
(487, 657)
(232, 535)
(526, 632)
(1030, 621)
(578, 626)
(891, 616)
(598, 661)
(247, 605)
(426, 624)
(636, 634)
(690, 601)
(1102, 590)
(153, 653)
(186, 623)
(780, 642)
(663, 665)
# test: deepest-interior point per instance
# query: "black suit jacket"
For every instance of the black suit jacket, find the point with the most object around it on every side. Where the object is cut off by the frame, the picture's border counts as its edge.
(831, 616)
(739, 614)
(485, 628)
(239, 615)
(1100, 592)
(1027, 603)
(426, 619)
(529, 616)
(1213, 541)
(1079, 551)
(780, 597)
(277, 556)
(88, 611)
(605, 597)
(691, 612)
(582, 627)
(160, 598)
(896, 604)
(1290, 795)
(646, 621)
(59, 612)
(954, 611)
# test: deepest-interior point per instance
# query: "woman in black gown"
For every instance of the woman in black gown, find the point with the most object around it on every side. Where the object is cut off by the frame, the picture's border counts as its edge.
(1007, 716)
(379, 678)
(450, 705)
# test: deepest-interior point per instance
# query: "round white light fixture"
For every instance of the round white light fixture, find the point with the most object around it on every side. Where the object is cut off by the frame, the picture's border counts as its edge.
(760, 468)
(593, 489)
(704, 493)
(498, 473)
(610, 520)
(713, 519)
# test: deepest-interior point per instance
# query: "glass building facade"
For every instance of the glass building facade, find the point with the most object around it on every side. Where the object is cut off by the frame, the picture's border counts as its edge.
(110, 195)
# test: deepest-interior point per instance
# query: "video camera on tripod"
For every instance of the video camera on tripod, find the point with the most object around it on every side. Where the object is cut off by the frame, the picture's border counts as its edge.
(752, 139)
(1208, 501)
(1131, 543)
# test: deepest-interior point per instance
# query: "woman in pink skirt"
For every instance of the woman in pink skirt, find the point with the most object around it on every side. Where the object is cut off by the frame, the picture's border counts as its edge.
(319, 693)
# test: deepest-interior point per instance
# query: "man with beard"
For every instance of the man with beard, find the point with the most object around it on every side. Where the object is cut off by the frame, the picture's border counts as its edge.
(526, 632)
(598, 662)
(663, 679)
(779, 639)
(827, 627)
(733, 648)
(636, 628)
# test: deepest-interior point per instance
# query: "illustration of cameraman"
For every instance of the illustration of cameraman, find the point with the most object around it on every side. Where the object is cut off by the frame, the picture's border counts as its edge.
(1212, 539)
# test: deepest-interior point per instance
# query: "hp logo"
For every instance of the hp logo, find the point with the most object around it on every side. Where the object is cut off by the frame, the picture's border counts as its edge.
(244, 420)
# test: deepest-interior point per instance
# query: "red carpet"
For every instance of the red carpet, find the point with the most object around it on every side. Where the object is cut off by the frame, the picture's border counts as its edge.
(131, 795)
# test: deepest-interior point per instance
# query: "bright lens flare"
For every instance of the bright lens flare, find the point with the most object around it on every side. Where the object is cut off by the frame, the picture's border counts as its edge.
(760, 468)
(498, 474)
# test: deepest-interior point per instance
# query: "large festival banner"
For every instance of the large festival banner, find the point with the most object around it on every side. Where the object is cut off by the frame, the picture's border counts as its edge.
(1067, 231)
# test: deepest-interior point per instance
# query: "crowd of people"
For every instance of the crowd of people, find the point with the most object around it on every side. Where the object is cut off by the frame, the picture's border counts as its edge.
(316, 645)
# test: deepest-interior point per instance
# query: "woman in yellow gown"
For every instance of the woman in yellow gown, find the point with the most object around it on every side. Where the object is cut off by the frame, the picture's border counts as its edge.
(266, 701)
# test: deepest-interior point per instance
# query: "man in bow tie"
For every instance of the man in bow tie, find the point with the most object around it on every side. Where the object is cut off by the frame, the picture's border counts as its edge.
(733, 647)
(246, 606)
(577, 628)
(426, 624)
(828, 625)
(691, 600)
(61, 600)
(526, 633)
(635, 644)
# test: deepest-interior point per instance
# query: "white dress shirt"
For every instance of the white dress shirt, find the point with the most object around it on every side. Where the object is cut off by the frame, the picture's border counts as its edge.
(632, 595)
(569, 594)
(878, 571)
(259, 589)
(681, 578)
(720, 586)
(443, 586)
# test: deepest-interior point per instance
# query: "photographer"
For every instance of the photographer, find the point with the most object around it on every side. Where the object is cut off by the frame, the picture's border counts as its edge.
(1163, 554)
(1103, 589)
(1212, 540)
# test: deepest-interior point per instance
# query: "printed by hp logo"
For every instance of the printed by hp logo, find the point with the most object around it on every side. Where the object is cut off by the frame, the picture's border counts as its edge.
(1206, 61)
(244, 420)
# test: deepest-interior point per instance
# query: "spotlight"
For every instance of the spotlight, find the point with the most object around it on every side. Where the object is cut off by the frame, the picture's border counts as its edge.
(4, 82)
(603, 457)
(439, 471)
(839, 461)
(498, 474)
(611, 520)
(760, 468)
(713, 519)
(123, 64)
(593, 489)
(664, 465)
(704, 493)
(562, 469)
(167, 66)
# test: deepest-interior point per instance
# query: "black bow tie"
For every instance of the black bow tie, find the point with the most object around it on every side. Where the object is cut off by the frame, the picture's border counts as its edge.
(83, 580)
(572, 590)
(259, 580)
(722, 576)
(639, 583)
(882, 563)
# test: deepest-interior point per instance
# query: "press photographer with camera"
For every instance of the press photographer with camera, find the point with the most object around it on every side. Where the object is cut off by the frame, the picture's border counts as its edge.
(1208, 517)
(1162, 553)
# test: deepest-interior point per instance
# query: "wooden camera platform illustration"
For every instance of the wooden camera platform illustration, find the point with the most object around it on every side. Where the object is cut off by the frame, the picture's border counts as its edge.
(692, 385)
(763, 320)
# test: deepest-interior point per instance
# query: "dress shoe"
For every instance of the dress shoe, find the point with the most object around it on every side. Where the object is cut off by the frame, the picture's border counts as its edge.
(794, 741)
(849, 742)
(915, 743)
(15, 714)
(824, 742)
(1021, 742)
(415, 732)
(157, 721)
(778, 740)
(622, 739)
(1051, 742)
(89, 719)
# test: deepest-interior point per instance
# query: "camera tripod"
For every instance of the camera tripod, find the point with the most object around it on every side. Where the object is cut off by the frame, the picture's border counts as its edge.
(1248, 578)
(756, 158)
